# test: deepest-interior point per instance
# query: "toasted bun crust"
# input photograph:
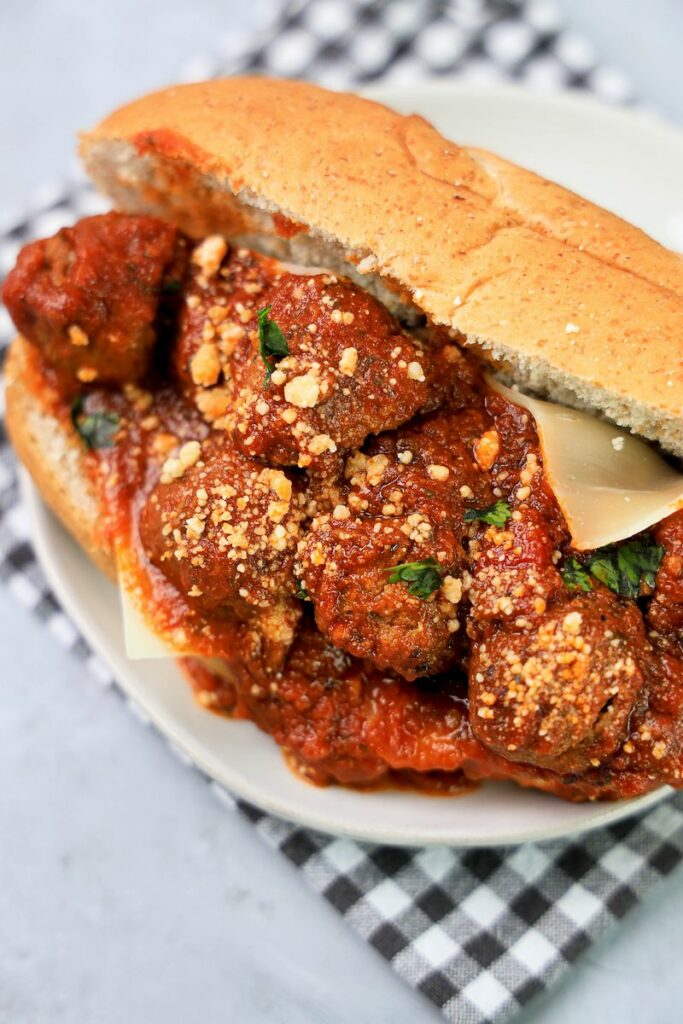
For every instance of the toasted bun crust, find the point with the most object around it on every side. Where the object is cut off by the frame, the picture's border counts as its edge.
(572, 300)
(53, 454)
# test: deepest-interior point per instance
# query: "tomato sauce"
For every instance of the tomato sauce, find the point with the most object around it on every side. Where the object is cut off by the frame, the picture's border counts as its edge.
(347, 534)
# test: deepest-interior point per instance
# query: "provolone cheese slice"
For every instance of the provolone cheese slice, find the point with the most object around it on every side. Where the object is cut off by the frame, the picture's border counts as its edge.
(141, 639)
(608, 483)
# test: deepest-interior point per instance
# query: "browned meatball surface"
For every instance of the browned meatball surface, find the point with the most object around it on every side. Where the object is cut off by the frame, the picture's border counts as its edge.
(224, 529)
(385, 566)
(349, 371)
(222, 292)
(554, 674)
(665, 614)
(89, 296)
(559, 696)
(344, 369)
(349, 570)
(339, 719)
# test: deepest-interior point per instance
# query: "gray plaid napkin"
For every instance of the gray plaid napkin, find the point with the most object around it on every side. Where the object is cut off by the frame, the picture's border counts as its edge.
(479, 932)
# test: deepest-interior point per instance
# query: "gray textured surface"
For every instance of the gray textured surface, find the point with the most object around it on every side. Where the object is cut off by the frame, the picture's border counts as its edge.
(643, 38)
(127, 893)
(64, 63)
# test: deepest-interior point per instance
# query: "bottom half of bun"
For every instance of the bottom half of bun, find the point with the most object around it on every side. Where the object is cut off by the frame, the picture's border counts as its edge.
(54, 456)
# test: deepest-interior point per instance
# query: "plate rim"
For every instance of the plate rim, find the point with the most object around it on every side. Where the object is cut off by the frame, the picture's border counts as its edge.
(241, 786)
(572, 99)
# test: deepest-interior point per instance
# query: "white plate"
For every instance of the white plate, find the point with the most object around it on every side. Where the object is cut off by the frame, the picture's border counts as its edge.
(629, 164)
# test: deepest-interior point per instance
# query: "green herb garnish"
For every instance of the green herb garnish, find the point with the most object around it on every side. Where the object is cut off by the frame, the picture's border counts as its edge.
(97, 429)
(301, 592)
(272, 344)
(628, 568)
(423, 577)
(625, 569)
(171, 287)
(575, 576)
(495, 515)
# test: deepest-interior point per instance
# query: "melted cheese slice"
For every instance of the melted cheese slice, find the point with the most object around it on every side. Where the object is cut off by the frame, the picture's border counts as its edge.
(608, 483)
(141, 639)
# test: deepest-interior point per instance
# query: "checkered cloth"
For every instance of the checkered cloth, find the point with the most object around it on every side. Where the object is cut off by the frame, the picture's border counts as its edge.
(478, 932)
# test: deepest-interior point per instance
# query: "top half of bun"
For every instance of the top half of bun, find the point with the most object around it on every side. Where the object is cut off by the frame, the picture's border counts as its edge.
(572, 300)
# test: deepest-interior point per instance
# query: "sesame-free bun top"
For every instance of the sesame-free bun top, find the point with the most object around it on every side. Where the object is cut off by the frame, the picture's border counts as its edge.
(570, 299)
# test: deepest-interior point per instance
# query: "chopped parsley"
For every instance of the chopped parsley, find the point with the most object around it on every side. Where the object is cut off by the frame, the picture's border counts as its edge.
(301, 592)
(97, 429)
(495, 515)
(628, 568)
(625, 569)
(575, 576)
(272, 344)
(171, 287)
(423, 577)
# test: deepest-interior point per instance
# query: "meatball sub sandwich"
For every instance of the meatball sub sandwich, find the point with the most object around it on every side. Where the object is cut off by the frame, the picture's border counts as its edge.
(378, 434)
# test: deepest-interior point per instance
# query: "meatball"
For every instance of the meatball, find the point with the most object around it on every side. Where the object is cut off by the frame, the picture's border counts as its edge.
(651, 754)
(315, 709)
(665, 613)
(343, 369)
(222, 293)
(223, 529)
(89, 296)
(559, 696)
(402, 507)
(554, 674)
(339, 719)
(363, 602)
(515, 578)
(654, 748)
(421, 727)
(517, 470)
(426, 466)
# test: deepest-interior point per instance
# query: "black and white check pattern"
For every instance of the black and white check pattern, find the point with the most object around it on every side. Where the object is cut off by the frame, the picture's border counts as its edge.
(478, 932)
